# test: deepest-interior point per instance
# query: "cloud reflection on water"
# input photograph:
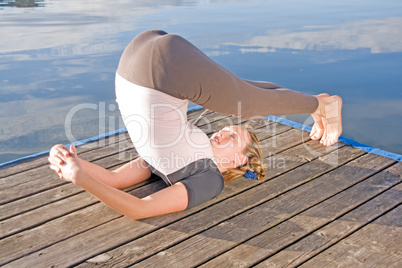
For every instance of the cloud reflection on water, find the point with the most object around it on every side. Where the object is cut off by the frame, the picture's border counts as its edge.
(66, 53)
(379, 36)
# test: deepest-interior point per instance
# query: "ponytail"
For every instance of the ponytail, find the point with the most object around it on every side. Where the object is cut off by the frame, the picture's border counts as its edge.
(254, 163)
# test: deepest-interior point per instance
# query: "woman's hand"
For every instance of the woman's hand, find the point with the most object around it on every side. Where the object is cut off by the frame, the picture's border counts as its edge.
(57, 156)
(58, 153)
(66, 163)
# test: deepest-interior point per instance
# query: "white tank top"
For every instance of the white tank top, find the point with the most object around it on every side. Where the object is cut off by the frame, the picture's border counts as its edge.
(158, 127)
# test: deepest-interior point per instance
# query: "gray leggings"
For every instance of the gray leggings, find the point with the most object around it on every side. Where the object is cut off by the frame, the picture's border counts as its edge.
(172, 65)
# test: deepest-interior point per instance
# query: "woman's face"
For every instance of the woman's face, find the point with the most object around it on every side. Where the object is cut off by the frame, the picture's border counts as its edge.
(230, 143)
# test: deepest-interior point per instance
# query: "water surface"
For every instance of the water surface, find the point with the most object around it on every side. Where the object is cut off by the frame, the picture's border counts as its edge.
(58, 60)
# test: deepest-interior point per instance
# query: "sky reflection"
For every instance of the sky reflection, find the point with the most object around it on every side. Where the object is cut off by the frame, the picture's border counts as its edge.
(378, 36)
(65, 53)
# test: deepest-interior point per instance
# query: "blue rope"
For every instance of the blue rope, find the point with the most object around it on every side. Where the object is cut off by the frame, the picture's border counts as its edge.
(358, 145)
(81, 142)
(355, 144)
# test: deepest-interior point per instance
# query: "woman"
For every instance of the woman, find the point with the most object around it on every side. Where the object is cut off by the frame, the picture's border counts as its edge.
(157, 75)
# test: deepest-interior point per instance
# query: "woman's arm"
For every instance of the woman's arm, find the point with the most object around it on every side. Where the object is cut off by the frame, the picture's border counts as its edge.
(170, 199)
(129, 174)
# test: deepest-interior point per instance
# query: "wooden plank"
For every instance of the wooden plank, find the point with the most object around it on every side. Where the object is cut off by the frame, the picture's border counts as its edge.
(376, 245)
(33, 201)
(302, 153)
(16, 246)
(213, 215)
(223, 122)
(42, 178)
(327, 236)
(270, 130)
(40, 215)
(208, 118)
(26, 204)
(157, 221)
(284, 239)
(192, 115)
(52, 195)
(65, 206)
(226, 235)
(60, 228)
(55, 256)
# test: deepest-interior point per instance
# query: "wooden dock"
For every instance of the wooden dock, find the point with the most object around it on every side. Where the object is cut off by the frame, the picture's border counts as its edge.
(317, 207)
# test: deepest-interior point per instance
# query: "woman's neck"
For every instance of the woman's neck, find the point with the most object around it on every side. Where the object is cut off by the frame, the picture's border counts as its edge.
(219, 160)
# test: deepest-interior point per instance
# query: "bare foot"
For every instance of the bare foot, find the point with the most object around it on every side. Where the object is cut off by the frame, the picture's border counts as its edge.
(318, 128)
(330, 109)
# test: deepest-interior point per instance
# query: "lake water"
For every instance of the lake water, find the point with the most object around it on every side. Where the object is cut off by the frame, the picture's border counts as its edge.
(58, 60)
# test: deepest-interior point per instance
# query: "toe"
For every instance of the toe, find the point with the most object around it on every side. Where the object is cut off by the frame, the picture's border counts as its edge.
(313, 131)
(326, 141)
(326, 138)
(332, 139)
(317, 130)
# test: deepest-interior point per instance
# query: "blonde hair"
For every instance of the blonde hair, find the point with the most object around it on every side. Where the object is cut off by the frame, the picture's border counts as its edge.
(252, 151)
(255, 160)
